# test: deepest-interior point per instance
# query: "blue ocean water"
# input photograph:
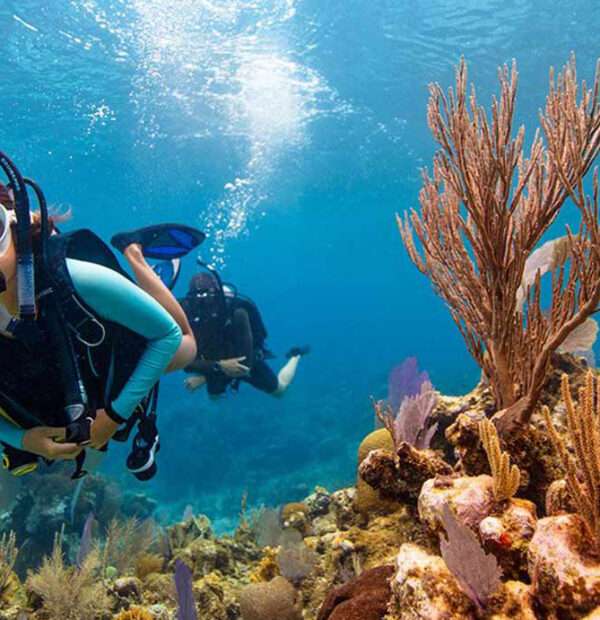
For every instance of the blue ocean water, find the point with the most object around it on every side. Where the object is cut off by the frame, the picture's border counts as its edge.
(291, 131)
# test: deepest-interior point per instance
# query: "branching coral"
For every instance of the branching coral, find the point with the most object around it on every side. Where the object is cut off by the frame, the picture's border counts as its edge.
(8, 557)
(126, 542)
(148, 563)
(483, 212)
(583, 469)
(506, 477)
(68, 592)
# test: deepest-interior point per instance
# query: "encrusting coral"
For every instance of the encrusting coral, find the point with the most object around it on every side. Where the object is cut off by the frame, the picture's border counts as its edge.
(506, 477)
(135, 613)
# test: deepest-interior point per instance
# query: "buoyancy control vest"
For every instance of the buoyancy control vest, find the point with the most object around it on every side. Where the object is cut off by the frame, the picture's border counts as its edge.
(32, 382)
(51, 373)
(236, 300)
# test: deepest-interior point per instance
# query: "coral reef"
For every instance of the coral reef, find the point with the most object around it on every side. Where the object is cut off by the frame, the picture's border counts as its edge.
(400, 477)
(456, 546)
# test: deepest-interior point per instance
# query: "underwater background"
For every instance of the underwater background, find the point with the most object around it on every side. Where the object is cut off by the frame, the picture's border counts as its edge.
(291, 131)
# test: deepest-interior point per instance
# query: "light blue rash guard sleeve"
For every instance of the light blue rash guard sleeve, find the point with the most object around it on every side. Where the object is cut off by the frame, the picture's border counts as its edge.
(11, 434)
(116, 299)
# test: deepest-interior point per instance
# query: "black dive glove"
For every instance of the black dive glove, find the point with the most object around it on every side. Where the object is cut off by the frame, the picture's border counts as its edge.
(298, 351)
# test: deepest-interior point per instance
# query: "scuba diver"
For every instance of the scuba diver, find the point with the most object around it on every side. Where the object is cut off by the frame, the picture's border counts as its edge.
(82, 347)
(231, 338)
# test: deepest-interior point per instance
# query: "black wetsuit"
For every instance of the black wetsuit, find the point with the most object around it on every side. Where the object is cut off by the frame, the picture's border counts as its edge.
(223, 338)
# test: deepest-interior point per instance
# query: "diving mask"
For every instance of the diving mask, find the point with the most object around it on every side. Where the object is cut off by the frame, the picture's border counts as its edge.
(8, 252)
(6, 219)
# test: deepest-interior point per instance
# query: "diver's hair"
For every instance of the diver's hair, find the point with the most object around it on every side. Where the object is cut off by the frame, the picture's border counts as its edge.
(36, 222)
(54, 218)
(5, 198)
(203, 280)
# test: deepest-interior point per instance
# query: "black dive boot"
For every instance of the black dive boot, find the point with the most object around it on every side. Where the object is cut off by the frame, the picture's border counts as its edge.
(141, 462)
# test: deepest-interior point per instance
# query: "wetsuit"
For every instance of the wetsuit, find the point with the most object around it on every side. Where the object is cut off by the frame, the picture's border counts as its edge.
(216, 342)
(114, 298)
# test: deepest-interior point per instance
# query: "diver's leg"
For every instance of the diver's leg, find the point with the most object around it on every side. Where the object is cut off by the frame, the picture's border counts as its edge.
(153, 285)
(193, 382)
(263, 378)
(286, 375)
(216, 386)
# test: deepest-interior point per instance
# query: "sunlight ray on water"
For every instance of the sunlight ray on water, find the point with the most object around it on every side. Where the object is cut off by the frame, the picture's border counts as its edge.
(227, 68)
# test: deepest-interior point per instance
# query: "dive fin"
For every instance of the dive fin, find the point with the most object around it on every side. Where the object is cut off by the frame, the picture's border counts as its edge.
(298, 351)
(162, 241)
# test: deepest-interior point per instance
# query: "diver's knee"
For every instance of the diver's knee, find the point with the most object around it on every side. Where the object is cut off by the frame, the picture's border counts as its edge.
(279, 391)
(185, 354)
(192, 348)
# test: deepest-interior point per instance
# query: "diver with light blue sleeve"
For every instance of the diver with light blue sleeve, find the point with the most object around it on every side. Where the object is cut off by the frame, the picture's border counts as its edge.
(95, 342)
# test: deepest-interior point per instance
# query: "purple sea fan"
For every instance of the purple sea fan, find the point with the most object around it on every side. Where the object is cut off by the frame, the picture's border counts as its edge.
(86, 543)
(186, 606)
(477, 572)
(405, 380)
(413, 421)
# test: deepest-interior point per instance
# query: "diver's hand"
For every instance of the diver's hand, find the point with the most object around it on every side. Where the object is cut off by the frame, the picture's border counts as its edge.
(44, 441)
(233, 368)
(103, 428)
(194, 382)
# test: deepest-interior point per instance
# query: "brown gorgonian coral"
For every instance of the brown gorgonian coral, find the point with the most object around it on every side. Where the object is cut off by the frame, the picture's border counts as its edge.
(484, 210)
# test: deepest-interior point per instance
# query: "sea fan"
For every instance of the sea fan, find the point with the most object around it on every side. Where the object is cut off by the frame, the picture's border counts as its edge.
(267, 528)
(86, 543)
(296, 561)
(477, 572)
(581, 338)
(547, 257)
(405, 380)
(412, 423)
(185, 595)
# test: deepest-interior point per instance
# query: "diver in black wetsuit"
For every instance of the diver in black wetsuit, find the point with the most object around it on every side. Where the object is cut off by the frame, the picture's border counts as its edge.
(231, 341)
